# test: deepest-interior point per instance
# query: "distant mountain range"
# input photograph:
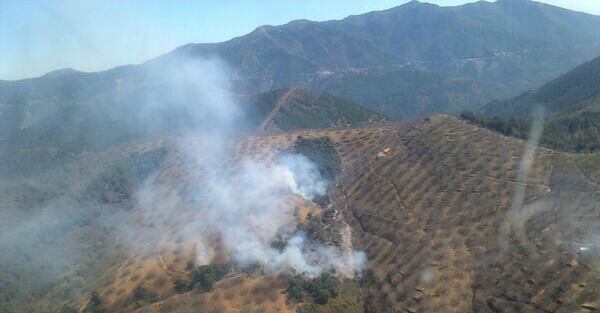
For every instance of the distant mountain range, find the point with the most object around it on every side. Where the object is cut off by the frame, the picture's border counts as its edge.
(405, 62)
(105, 209)
(417, 58)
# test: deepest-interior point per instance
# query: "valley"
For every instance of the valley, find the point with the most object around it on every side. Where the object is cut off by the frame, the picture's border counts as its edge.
(432, 205)
(417, 159)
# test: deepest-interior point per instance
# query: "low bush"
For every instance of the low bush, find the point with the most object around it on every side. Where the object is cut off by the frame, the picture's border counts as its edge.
(320, 289)
(203, 279)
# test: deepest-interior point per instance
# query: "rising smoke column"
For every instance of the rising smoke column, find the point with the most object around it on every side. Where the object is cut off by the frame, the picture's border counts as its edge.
(245, 204)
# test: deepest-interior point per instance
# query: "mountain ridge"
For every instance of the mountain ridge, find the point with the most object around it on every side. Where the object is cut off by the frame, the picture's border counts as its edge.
(448, 183)
(569, 92)
(409, 5)
(471, 54)
(462, 58)
(570, 107)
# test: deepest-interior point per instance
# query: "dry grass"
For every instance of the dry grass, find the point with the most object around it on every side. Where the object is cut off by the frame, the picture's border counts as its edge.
(428, 212)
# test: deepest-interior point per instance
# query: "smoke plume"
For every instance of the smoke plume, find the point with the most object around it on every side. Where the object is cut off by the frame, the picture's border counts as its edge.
(246, 203)
(64, 227)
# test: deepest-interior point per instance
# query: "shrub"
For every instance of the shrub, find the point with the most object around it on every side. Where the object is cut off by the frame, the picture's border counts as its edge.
(182, 286)
(296, 288)
(95, 304)
(205, 276)
(143, 294)
(321, 296)
(119, 182)
(279, 244)
(312, 227)
(320, 289)
(322, 152)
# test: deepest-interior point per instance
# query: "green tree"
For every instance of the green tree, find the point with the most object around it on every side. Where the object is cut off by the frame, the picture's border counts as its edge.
(320, 288)
(182, 286)
(204, 277)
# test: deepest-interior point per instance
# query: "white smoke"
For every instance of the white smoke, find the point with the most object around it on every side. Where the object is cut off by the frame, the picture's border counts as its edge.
(302, 176)
(246, 204)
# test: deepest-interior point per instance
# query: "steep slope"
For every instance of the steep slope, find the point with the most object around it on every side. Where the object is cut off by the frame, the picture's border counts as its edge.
(502, 48)
(577, 90)
(289, 109)
(461, 57)
(42, 131)
(451, 219)
(415, 32)
(571, 105)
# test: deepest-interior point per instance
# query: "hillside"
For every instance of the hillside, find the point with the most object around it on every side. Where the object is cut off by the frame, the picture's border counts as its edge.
(300, 169)
(576, 91)
(468, 54)
(405, 62)
(289, 109)
(39, 135)
(571, 106)
(447, 221)
(451, 224)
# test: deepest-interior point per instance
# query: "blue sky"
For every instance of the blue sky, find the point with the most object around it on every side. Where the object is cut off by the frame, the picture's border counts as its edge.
(38, 36)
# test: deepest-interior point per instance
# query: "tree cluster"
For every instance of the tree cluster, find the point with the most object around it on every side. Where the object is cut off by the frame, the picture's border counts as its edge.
(202, 279)
(320, 289)
(577, 133)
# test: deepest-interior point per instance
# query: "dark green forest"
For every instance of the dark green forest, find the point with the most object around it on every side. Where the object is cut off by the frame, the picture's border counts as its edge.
(579, 133)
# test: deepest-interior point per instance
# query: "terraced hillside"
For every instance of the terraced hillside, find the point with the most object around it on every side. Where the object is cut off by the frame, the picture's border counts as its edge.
(451, 218)
(441, 218)
(145, 280)
(289, 109)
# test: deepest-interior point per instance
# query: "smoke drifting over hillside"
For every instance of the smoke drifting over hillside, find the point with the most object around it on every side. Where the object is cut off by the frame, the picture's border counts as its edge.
(245, 204)
(98, 207)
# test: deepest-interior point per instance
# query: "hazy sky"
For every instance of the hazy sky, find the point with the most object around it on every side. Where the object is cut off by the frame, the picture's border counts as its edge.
(37, 36)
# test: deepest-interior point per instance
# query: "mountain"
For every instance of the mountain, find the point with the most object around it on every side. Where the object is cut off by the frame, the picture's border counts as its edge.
(461, 56)
(452, 224)
(571, 93)
(571, 104)
(42, 132)
(431, 203)
(411, 33)
(153, 188)
(288, 109)
(405, 62)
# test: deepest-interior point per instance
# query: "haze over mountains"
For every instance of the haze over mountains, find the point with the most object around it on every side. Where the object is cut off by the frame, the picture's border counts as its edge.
(301, 168)
(436, 59)
(407, 61)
